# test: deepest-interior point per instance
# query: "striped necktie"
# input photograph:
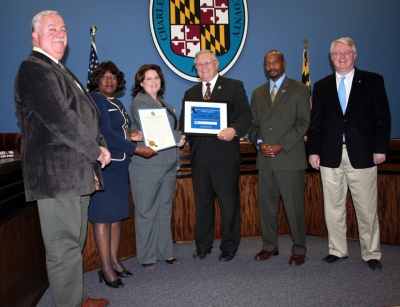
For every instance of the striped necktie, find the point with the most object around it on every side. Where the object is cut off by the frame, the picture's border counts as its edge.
(273, 93)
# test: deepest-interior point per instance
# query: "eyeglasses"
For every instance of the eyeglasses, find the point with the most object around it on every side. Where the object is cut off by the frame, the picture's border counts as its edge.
(205, 64)
(339, 54)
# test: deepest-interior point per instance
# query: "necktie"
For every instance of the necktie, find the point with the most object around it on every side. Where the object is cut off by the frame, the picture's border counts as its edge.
(342, 94)
(273, 93)
(69, 74)
(207, 94)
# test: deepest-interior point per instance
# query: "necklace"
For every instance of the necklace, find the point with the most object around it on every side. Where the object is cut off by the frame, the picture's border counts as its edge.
(107, 96)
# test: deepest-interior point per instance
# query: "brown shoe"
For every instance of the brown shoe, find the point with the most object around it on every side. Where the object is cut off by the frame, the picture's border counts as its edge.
(297, 259)
(93, 302)
(173, 261)
(264, 254)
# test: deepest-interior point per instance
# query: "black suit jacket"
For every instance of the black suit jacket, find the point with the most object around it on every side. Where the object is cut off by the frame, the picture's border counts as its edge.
(60, 131)
(209, 149)
(366, 122)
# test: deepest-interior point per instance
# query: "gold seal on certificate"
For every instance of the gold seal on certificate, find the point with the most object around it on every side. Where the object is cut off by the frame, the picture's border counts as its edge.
(156, 130)
(152, 143)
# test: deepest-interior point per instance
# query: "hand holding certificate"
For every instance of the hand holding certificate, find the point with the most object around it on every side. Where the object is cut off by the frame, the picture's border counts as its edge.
(156, 130)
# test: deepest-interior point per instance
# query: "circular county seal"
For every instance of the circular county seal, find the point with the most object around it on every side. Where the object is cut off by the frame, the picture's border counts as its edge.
(181, 28)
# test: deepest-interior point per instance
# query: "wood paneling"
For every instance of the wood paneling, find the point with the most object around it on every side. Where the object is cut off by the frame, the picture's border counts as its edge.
(183, 214)
(22, 254)
(91, 258)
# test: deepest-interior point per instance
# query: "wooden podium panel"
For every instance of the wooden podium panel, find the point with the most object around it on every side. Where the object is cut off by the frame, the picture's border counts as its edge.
(183, 213)
(22, 254)
(91, 258)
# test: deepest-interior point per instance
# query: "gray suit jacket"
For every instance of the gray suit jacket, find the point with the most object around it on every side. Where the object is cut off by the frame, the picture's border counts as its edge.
(167, 156)
(284, 122)
(60, 131)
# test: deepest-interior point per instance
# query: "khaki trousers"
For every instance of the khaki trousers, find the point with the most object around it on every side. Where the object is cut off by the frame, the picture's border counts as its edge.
(363, 188)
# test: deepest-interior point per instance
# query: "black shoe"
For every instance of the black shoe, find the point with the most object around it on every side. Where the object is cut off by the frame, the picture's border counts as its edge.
(113, 284)
(173, 261)
(332, 258)
(124, 273)
(200, 253)
(226, 256)
(375, 264)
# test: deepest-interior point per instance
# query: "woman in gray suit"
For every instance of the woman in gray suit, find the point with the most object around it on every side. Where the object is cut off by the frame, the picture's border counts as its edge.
(153, 180)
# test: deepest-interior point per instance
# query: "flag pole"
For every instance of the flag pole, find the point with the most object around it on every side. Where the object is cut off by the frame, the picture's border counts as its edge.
(93, 31)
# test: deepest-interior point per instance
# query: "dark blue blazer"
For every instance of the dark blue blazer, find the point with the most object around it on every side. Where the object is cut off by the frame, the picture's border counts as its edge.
(366, 122)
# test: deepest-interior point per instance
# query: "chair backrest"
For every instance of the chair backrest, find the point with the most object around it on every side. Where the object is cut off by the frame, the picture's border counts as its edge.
(10, 141)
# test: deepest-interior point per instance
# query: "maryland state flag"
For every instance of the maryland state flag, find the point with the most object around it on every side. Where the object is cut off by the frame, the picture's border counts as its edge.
(305, 76)
(93, 60)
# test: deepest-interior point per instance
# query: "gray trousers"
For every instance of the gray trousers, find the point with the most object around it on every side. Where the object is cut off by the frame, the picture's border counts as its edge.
(153, 191)
(64, 223)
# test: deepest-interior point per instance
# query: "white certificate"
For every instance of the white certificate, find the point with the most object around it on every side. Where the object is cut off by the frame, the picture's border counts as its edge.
(156, 130)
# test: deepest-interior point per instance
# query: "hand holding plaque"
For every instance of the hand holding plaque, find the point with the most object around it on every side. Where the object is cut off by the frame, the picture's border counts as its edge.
(204, 117)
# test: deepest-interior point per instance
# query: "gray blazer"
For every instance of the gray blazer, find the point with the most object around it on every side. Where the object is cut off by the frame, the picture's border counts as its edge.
(284, 122)
(60, 131)
(167, 156)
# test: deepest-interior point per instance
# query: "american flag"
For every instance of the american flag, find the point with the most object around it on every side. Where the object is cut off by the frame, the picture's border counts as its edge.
(93, 60)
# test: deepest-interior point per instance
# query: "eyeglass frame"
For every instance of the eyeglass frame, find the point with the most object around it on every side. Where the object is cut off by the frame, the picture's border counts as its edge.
(205, 63)
(338, 54)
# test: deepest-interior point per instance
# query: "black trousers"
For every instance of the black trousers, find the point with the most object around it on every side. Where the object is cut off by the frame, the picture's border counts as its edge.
(223, 182)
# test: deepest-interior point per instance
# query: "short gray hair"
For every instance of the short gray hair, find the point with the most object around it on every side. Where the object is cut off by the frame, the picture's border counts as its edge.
(344, 40)
(205, 51)
(36, 19)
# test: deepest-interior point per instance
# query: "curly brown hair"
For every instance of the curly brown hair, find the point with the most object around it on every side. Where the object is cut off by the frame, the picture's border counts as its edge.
(100, 70)
(139, 77)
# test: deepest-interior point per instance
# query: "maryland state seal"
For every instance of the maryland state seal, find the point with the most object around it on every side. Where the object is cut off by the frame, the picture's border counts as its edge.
(180, 28)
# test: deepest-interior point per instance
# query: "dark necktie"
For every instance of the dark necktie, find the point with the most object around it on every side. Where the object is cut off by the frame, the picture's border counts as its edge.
(207, 94)
(70, 75)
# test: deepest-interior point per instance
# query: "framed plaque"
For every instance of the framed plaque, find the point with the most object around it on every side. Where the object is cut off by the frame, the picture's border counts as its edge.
(204, 117)
(156, 130)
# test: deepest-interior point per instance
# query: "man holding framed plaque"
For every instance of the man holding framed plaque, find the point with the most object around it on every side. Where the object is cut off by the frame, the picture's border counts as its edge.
(215, 113)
